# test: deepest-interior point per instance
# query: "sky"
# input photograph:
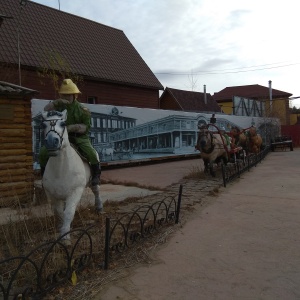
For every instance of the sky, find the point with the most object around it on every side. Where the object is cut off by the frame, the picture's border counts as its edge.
(191, 43)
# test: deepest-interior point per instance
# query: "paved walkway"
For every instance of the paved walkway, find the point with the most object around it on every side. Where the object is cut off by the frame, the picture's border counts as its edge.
(160, 175)
(244, 245)
(139, 181)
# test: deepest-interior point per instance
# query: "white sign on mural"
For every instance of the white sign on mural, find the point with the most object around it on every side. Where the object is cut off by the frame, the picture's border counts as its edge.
(248, 107)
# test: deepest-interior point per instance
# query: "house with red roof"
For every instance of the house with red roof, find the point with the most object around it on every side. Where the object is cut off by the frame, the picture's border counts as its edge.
(189, 101)
(275, 102)
(40, 46)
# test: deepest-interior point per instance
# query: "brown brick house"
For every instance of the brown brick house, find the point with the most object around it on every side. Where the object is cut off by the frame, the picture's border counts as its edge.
(189, 101)
(101, 59)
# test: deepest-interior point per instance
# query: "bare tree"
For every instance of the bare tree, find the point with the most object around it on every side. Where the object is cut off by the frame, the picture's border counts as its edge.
(56, 68)
(192, 81)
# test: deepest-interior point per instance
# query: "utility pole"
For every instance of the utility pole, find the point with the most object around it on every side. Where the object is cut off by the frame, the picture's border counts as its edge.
(22, 4)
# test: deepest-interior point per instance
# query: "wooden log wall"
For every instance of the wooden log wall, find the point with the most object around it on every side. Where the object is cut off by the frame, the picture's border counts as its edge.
(16, 161)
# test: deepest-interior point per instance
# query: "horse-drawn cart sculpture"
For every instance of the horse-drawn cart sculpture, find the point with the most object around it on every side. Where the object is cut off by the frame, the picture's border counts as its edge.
(216, 146)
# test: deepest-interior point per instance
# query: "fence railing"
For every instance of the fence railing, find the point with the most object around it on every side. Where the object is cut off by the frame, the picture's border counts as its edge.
(53, 263)
(232, 171)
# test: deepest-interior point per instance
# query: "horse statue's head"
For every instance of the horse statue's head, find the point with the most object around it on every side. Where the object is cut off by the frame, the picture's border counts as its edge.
(250, 140)
(235, 132)
(54, 124)
(204, 136)
(252, 131)
(211, 147)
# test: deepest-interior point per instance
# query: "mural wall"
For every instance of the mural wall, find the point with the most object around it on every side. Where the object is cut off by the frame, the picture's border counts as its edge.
(123, 133)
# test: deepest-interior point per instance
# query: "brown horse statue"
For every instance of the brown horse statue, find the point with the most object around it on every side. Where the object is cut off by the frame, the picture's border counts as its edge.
(249, 139)
(212, 148)
(235, 134)
(255, 140)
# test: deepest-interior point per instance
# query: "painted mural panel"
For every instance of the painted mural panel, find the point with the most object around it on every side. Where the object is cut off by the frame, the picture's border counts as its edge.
(130, 133)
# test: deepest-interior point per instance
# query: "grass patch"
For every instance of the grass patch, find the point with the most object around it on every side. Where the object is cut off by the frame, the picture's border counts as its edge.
(196, 173)
(134, 184)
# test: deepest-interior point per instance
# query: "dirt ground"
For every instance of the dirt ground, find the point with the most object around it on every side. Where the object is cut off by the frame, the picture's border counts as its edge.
(244, 245)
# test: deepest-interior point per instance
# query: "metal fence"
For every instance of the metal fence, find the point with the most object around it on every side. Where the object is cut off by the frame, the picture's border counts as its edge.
(51, 264)
(232, 171)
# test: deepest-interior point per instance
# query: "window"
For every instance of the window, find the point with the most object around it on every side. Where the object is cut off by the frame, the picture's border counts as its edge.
(91, 100)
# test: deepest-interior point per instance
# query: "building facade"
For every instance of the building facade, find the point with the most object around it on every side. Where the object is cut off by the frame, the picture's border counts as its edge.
(39, 48)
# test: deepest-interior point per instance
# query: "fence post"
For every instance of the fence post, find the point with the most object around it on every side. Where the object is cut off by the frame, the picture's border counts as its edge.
(224, 175)
(106, 250)
(248, 163)
(238, 169)
(178, 204)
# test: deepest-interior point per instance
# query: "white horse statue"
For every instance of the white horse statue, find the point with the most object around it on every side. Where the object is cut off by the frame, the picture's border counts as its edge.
(66, 174)
(212, 148)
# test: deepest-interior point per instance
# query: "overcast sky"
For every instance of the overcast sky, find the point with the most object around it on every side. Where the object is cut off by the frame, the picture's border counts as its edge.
(218, 43)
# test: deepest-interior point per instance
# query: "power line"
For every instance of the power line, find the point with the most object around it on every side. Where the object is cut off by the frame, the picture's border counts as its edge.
(226, 71)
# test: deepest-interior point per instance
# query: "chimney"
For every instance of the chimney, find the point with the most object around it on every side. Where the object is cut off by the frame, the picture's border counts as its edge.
(204, 91)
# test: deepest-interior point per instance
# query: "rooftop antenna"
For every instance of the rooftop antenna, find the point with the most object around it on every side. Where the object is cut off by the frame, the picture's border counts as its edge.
(270, 94)
(59, 4)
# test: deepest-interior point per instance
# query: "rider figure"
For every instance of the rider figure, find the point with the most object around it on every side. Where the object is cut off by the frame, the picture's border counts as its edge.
(78, 126)
(227, 138)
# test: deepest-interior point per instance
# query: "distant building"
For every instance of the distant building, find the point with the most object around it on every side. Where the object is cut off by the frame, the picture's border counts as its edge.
(260, 102)
(189, 101)
(50, 44)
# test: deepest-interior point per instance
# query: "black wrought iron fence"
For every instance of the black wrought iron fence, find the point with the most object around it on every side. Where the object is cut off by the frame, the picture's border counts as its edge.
(232, 171)
(53, 263)
(141, 223)
(48, 265)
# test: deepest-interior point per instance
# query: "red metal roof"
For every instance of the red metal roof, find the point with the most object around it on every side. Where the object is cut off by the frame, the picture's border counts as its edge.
(51, 38)
(193, 101)
(254, 91)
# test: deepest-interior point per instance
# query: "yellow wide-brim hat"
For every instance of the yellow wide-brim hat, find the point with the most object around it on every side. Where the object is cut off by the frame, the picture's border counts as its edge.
(68, 87)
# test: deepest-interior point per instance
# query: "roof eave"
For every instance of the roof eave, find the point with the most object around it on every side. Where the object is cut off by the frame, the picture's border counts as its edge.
(158, 87)
(15, 90)
(173, 96)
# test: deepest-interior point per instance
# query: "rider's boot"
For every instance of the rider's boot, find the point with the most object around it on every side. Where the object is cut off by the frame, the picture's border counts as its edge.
(42, 171)
(96, 171)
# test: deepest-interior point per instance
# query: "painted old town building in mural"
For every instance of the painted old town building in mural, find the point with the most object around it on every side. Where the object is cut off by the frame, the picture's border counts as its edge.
(135, 133)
